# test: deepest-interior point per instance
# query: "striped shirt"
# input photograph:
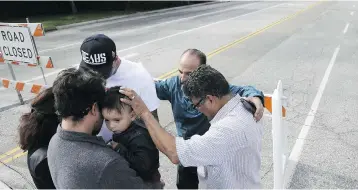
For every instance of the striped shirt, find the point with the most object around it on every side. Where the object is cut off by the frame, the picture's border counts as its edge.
(228, 154)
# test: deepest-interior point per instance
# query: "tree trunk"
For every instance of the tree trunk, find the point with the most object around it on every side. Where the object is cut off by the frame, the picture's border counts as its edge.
(73, 6)
(127, 6)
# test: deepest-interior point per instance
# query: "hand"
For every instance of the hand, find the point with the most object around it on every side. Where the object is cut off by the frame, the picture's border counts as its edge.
(259, 107)
(113, 145)
(135, 101)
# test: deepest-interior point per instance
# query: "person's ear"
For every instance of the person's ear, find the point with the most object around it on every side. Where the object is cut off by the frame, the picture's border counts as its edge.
(210, 98)
(94, 109)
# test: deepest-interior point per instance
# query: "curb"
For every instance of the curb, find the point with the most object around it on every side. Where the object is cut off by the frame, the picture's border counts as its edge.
(3, 185)
(50, 30)
(131, 15)
(13, 105)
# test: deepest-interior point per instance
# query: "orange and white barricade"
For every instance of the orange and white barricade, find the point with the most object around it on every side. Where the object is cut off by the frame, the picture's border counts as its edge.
(18, 48)
(44, 61)
(275, 103)
(22, 86)
(36, 29)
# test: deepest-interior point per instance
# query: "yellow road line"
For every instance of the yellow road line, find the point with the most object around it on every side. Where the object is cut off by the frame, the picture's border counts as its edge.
(168, 74)
(14, 157)
(228, 46)
(210, 55)
(6, 154)
(242, 39)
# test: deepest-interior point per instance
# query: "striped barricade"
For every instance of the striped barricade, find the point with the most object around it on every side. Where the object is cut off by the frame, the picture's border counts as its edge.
(36, 29)
(22, 86)
(268, 104)
(44, 61)
(18, 47)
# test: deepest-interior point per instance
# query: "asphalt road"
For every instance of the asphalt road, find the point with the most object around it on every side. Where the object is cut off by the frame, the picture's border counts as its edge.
(311, 47)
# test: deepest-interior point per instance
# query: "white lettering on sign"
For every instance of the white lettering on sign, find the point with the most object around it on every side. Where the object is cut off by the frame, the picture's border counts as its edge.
(16, 44)
(94, 59)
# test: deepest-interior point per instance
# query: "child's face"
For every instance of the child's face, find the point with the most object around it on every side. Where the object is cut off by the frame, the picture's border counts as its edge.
(118, 122)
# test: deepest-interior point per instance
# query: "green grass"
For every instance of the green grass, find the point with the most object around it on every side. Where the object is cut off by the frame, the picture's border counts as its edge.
(50, 22)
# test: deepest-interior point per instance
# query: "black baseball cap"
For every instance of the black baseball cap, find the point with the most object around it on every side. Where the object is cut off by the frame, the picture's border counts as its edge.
(98, 53)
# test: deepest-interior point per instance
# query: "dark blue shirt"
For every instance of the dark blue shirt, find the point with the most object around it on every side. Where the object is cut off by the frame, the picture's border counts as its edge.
(189, 121)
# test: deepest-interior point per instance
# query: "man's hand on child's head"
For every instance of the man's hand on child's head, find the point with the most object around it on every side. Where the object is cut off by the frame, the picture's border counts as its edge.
(134, 101)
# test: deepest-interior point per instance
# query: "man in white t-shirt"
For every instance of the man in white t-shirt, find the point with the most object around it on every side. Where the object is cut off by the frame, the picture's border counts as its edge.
(99, 53)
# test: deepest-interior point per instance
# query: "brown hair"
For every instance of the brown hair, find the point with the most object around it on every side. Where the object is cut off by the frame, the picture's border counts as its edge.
(112, 99)
(38, 126)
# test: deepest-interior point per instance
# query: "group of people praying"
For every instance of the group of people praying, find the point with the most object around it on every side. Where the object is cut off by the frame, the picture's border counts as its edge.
(98, 127)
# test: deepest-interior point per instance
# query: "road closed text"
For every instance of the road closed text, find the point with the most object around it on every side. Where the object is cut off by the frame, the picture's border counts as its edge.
(16, 44)
(15, 51)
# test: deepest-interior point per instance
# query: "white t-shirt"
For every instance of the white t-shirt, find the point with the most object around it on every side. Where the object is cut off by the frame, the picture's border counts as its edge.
(135, 76)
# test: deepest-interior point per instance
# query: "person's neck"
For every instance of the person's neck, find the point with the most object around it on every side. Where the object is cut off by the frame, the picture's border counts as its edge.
(224, 100)
(80, 126)
(221, 103)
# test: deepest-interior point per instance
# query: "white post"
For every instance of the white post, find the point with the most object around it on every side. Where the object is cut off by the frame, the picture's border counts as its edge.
(277, 137)
(283, 128)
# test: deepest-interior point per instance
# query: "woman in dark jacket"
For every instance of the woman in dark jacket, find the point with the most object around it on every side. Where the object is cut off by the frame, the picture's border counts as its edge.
(35, 130)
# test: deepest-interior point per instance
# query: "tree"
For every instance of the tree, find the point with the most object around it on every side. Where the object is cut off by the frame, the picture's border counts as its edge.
(73, 6)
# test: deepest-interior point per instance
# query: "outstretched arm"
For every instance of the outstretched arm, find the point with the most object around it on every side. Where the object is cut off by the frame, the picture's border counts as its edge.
(163, 89)
(253, 95)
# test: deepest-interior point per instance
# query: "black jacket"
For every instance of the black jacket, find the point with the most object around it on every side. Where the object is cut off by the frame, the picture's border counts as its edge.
(37, 164)
(37, 154)
(137, 147)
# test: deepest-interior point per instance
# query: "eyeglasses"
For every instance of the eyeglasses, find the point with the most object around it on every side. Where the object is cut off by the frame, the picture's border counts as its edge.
(201, 101)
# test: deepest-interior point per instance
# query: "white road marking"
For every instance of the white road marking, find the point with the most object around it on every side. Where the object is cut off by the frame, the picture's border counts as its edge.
(352, 13)
(60, 47)
(346, 28)
(129, 55)
(59, 70)
(159, 39)
(197, 28)
(297, 148)
(147, 27)
(177, 20)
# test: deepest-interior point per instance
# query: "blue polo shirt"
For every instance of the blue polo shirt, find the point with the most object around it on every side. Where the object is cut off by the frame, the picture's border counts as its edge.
(188, 120)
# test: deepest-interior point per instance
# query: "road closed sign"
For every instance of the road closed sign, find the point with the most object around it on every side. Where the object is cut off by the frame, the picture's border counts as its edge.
(16, 44)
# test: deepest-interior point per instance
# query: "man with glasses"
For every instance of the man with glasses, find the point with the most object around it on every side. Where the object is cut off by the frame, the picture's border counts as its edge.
(189, 121)
(228, 154)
